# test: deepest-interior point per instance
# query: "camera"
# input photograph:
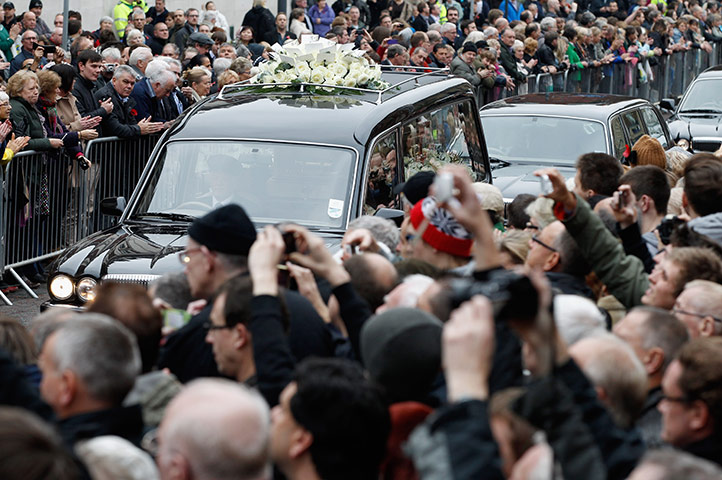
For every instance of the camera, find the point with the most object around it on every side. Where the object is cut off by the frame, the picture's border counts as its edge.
(512, 295)
(186, 83)
(109, 67)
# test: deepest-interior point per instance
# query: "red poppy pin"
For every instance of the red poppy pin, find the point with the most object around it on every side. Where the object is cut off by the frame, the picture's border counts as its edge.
(134, 112)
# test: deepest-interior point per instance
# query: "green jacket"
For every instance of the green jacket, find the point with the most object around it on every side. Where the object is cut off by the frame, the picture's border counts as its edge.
(576, 61)
(6, 43)
(623, 274)
(26, 122)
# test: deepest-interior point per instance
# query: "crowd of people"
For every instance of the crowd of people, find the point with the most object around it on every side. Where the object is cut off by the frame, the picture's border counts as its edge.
(577, 334)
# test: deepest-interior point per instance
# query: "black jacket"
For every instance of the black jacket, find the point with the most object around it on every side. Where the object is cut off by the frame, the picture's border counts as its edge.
(125, 422)
(85, 101)
(15, 390)
(121, 122)
(419, 24)
(546, 57)
(709, 448)
(507, 60)
(188, 356)
(180, 37)
(156, 45)
(262, 21)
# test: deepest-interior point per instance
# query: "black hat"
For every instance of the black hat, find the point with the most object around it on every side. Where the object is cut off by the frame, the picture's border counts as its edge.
(226, 229)
(468, 47)
(8, 5)
(35, 4)
(481, 44)
(201, 38)
(417, 187)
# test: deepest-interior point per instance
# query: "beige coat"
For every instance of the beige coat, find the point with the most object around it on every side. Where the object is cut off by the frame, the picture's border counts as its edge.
(68, 112)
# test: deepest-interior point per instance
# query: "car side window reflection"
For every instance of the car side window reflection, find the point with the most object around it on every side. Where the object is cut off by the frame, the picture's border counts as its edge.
(654, 127)
(618, 140)
(634, 126)
(382, 176)
(443, 136)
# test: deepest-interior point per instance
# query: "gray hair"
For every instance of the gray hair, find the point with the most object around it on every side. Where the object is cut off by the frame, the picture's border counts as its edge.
(382, 229)
(162, 76)
(675, 464)
(4, 97)
(137, 13)
(123, 70)
(110, 456)
(242, 51)
(140, 53)
(101, 352)
(105, 19)
(474, 37)
(173, 289)
(662, 329)
(577, 318)
(617, 370)
(220, 65)
(43, 325)
(170, 61)
(547, 24)
(222, 428)
(241, 65)
(175, 48)
(134, 33)
(111, 54)
(448, 27)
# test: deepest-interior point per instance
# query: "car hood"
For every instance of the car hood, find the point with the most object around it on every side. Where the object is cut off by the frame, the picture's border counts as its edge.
(691, 126)
(517, 179)
(133, 249)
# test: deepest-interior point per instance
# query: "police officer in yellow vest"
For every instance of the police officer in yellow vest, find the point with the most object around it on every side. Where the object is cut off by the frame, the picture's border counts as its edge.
(121, 12)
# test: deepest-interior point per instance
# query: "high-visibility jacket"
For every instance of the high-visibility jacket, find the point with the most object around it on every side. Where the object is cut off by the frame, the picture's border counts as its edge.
(121, 12)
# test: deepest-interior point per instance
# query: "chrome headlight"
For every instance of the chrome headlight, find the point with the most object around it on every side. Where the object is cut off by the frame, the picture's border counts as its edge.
(684, 143)
(61, 287)
(86, 289)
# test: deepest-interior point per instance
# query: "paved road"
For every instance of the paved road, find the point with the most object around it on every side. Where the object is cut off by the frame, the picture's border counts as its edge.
(24, 307)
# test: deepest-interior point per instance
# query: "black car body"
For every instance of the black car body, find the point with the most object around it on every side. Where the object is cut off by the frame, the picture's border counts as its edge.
(528, 132)
(316, 160)
(696, 122)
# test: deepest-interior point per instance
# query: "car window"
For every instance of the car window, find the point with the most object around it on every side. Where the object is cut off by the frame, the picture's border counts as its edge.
(618, 139)
(274, 182)
(443, 136)
(634, 126)
(654, 127)
(383, 175)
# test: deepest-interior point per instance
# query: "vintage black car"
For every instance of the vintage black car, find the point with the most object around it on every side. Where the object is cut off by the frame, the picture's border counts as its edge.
(695, 123)
(538, 130)
(316, 160)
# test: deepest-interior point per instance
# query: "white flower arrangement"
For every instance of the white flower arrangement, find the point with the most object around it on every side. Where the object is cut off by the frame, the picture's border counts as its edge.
(321, 62)
(433, 159)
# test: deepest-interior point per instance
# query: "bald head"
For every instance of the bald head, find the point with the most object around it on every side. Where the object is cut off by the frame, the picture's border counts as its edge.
(216, 429)
(617, 374)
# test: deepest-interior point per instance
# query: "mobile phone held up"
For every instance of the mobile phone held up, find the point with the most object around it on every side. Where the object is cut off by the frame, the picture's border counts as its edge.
(47, 49)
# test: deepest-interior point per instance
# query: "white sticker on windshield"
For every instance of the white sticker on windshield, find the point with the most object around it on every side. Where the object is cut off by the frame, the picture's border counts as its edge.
(335, 208)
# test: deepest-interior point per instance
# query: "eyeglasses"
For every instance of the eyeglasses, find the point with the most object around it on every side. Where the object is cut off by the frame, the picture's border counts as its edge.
(534, 238)
(185, 256)
(210, 327)
(4, 104)
(698, 315)
(681, 399)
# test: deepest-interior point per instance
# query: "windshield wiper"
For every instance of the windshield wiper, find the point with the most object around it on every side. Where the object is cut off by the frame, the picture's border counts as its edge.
(701, 110)
(179, 217)
(498, 163)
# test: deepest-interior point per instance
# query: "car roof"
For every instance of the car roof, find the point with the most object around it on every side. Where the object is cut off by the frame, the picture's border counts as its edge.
(594, 106)
(345, 119)
(712, 72)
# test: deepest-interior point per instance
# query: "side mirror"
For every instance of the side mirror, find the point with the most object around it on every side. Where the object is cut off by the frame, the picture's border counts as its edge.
(392, 214)
(667, 104)
(113, 206)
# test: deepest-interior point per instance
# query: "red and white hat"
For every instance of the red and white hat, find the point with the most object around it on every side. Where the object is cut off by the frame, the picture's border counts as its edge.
(443, 232)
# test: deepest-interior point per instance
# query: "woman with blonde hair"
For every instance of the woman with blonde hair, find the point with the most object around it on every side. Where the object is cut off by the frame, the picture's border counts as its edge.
(199, 79)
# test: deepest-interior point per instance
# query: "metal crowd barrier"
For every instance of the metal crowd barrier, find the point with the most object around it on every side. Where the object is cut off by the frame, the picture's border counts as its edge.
(48, 202)
(652, 78)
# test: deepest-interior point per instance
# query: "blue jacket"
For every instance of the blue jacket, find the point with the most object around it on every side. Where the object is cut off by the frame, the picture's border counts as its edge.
(511, 13)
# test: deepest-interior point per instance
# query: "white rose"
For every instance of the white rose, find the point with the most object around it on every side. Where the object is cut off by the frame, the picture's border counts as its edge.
(315, 64)
(302, 67)
(339, 69)
(280, 77)
(305, 77)
(317, 75)
(290, 75)
(363, 78)
(329, 75)
(349, 81)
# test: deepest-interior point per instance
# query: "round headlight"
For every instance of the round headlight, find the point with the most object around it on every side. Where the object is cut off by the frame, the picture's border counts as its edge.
(684, 143)
(61, 287)
(86, 289)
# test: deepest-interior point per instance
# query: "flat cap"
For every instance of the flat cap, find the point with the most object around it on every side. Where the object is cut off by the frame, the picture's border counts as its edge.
(226, 229)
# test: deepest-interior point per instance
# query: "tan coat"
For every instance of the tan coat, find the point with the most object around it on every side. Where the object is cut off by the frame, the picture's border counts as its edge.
(68, 112)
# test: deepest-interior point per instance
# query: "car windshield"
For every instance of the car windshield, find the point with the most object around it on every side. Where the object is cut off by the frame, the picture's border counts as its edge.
(703, 97)
(541, 140)
(274, 182)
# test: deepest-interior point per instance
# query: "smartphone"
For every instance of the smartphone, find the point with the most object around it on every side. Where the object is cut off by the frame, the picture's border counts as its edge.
(545, 184)
(48, 49)
(290, 242)
(175, 318)
(443, 187)
(623, 198)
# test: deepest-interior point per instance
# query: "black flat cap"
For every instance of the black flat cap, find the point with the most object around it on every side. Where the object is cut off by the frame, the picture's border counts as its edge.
(416, 187)
(226, 229)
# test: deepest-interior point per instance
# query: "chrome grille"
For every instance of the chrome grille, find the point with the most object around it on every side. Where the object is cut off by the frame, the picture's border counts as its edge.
(143, 279)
